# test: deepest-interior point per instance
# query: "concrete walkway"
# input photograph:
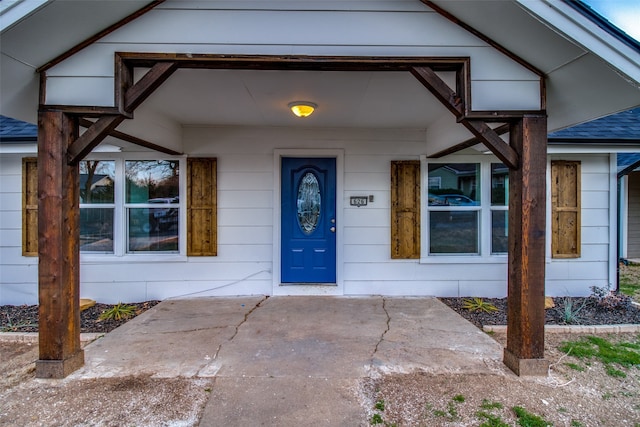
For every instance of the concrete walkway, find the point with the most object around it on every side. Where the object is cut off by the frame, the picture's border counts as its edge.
(291, 361)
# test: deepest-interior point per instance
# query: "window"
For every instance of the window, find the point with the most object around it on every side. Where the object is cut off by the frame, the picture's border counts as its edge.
(467, 211)
(149, 209)
(453, 208)
(152, 205)
(499, 208)
(134, 206)
(97, 205)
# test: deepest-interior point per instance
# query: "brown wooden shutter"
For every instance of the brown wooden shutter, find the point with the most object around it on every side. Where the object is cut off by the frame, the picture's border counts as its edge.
(405, 209)
(29, 206)
(202, 207)
(565, 209)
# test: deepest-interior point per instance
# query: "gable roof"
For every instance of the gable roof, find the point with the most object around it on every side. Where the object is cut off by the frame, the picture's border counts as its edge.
(620, 128)
(590, 73)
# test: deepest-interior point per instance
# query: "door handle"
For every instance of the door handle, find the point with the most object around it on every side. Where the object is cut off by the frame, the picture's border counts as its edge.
(333, 229)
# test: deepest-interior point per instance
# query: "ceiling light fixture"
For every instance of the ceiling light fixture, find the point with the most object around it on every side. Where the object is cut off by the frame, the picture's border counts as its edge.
(302, 108)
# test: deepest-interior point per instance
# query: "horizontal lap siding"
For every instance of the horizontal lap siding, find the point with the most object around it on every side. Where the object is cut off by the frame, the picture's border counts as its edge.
(18, 274)
(575, 276)
(244, 264)
(366, 29)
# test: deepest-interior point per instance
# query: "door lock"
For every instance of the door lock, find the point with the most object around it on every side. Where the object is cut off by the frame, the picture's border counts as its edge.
(333, 229)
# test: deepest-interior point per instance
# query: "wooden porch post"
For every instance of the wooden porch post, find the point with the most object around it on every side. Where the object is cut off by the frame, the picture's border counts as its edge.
(58, 250)
(527, 218)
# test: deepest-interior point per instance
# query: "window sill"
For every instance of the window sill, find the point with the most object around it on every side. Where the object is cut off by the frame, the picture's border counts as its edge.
(131, 258)
(464, 259)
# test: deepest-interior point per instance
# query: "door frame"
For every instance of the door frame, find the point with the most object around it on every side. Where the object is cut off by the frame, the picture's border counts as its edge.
(306, 289)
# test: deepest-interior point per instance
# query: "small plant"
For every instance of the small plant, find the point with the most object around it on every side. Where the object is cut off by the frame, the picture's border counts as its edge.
(379, 405)
(571, 312)
(606, 299)
(478, 304)
(376, 419)
(15, 327)
(490, 420)
(576, 423)
(119, 311)
(527, 419)
(486, 404)
(452, 412)
(613, 372)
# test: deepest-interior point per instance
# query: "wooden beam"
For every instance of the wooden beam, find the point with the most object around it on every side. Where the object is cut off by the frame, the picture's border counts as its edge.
(527, 221)
(92, 137)
(77, 48)
(483, 37)
(59, 255)
(454, 103)
(450, 99)
(500, 130)
(140, 91)
(492, 141)
(132, 139)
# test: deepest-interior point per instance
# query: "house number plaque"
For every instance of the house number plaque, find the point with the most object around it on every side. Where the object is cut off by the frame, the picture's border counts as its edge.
(358, 201)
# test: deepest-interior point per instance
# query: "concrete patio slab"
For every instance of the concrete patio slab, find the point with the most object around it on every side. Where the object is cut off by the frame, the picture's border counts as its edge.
(291, 360)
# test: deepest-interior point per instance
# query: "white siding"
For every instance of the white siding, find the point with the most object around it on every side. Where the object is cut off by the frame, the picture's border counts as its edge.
(18, 274)
(592, 268)
(245, 261)
(367, 28)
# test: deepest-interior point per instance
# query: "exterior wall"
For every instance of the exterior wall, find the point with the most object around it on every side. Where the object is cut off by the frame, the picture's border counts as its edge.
(633, 216)
(18, 274)
(596, 264)
(367, 28)
(247, 262)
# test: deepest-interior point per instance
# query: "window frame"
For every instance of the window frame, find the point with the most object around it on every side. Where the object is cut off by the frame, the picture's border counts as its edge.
(120, 251)
(485, 210)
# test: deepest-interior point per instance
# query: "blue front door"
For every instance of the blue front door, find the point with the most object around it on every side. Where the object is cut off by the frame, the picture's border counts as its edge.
(308, 220)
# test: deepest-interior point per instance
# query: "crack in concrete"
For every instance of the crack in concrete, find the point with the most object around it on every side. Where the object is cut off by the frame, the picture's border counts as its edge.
(384, 307)
(246, 317)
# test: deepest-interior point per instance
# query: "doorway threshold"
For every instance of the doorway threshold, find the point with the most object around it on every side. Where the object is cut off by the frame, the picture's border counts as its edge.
(307, 289)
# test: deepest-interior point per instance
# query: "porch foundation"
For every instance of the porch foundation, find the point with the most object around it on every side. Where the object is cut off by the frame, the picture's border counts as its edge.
(56, 369)
(525, 367)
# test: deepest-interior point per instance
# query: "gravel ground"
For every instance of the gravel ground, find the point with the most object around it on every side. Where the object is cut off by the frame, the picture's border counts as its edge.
(24, 318)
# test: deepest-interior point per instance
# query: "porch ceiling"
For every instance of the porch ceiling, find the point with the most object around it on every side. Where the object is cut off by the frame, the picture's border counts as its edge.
(260, 98)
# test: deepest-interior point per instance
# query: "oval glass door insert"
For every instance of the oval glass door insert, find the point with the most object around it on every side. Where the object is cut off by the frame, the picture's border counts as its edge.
(309, 203)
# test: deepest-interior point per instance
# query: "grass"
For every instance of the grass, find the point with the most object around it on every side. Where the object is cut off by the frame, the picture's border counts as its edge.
(622, 354)
(527, 419)
(630, 281)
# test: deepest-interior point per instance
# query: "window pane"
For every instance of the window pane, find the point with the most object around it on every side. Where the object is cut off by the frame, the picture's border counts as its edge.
(454, 184)
(499, 232)
(96, 181)
(499, 184)
(96, 229)
(453, 232)
(153, 229)
(151, 179)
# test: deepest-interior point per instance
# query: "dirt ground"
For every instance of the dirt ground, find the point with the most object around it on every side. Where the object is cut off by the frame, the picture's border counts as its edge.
(131, 401)
(567, 397)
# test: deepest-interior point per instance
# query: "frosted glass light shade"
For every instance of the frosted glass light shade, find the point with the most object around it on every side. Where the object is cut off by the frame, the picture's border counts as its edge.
(302, 109)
